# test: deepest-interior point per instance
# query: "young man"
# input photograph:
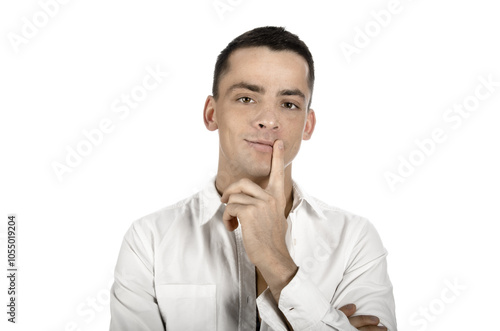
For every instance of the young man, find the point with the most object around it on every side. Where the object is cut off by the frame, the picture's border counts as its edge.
(252, 250)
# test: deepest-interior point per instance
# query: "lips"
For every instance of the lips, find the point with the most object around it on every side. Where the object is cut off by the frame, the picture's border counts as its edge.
(261, 145)
(262, 142)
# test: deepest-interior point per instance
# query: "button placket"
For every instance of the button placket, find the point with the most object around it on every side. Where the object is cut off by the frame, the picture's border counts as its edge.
(246, 276)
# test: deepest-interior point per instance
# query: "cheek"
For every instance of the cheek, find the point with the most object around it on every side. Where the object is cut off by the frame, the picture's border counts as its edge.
(229, 132)
(230, 121)
(293, 150)
(293, 146)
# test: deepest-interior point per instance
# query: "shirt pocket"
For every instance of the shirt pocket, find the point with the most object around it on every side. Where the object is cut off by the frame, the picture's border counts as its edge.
(187, 306)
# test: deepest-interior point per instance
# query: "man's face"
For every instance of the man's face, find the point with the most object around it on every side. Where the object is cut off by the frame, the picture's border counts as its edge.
(262, 97)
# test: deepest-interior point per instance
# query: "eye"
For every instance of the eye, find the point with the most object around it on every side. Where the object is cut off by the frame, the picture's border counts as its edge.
(290, 105)
(245, 100)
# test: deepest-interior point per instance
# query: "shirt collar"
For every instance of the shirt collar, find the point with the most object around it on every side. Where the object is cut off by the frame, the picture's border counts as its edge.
(300, 195)
(210, 201)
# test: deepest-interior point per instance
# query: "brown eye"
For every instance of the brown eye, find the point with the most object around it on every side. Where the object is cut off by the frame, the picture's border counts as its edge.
(290, 105)
(245, 99)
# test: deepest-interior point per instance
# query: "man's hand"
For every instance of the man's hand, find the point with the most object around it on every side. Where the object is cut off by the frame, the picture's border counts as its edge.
(361, 322)
(261, 213)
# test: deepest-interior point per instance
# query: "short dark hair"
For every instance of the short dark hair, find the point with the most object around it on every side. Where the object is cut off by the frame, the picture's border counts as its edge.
(276, 39)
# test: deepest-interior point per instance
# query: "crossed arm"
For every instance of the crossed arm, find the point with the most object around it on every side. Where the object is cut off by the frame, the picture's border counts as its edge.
(360, 322)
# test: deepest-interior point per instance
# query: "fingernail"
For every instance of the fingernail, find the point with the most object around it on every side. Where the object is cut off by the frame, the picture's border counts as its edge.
(349, 306)
(280, 144)
(374, 319)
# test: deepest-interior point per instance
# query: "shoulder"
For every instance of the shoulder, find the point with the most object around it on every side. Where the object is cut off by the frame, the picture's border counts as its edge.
(353, 234)
(343, 226)
(326, 211)
(334, 215)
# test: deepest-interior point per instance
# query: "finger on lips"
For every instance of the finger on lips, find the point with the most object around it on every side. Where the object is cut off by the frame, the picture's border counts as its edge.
(246, 192)
(277, 175)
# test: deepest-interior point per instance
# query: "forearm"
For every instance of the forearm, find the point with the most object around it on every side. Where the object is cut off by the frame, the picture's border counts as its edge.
(278, 271)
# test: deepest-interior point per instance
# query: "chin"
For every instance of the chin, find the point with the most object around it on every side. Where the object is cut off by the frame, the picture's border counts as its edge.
(259, 172)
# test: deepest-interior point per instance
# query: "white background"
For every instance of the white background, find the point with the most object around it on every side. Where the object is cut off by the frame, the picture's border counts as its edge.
(440, 224)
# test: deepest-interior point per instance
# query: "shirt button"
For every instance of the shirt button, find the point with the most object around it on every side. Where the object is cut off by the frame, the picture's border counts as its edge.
(248, 299)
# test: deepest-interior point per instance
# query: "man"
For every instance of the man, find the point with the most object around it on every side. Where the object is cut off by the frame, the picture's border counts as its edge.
(252, 250)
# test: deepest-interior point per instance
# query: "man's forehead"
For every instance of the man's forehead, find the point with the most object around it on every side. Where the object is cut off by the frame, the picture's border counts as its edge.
(247, 61)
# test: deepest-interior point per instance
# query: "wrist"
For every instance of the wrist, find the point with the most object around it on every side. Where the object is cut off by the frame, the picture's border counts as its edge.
(278, 275)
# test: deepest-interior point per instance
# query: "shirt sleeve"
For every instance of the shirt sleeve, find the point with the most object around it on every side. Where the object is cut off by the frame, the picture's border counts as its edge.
(365, 283)
(304, 306)
(133, 303)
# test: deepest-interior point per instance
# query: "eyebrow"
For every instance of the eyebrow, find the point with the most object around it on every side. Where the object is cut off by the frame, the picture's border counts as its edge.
(293, 92)
(247, 86)
(260, 89)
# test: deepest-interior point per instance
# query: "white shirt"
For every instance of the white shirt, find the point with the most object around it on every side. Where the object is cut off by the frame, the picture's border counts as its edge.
(180, 269)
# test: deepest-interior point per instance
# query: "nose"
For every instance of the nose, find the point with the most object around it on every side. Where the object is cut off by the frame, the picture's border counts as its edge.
(267, 120)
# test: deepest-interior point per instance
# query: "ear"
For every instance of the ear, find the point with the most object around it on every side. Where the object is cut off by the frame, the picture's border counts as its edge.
(209, 115)
(310, 124)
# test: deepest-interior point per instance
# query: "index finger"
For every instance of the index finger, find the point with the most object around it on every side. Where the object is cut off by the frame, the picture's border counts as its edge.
(277, 175)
